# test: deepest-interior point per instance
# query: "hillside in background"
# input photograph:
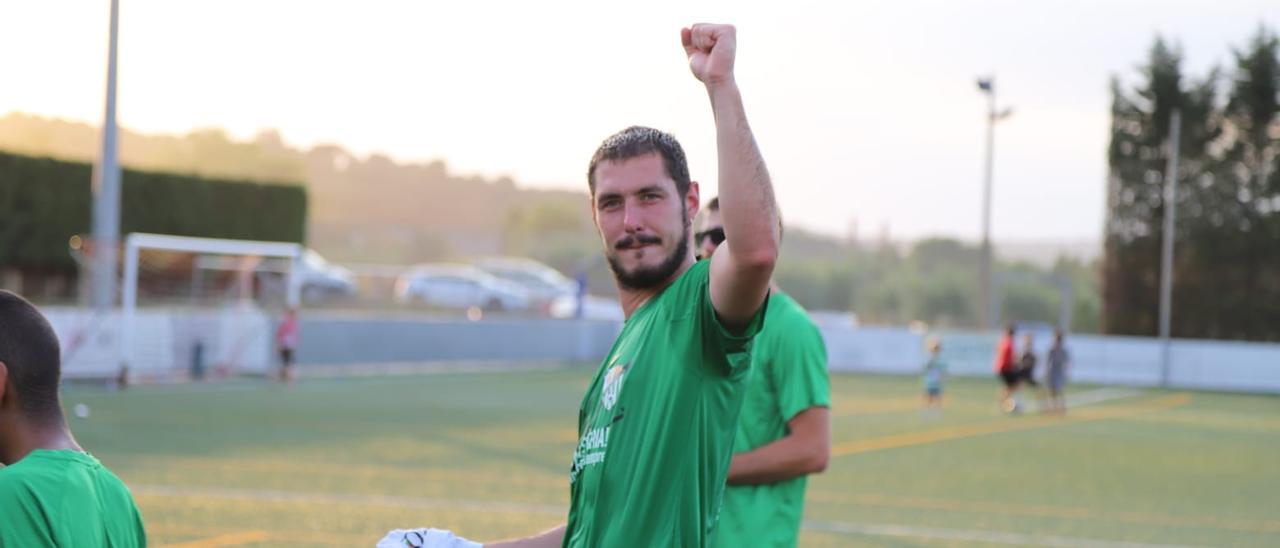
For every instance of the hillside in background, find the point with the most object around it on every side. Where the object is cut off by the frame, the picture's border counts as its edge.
(376, 210)
(361, 209)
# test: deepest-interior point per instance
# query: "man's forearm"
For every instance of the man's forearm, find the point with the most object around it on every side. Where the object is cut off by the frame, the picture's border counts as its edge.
(747, 202)
(548, 539)
(781, 460)
(804, 450)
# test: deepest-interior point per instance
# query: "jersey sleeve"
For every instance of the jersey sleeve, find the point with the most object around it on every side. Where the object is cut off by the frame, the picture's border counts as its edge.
(798, 369)
(727, 352)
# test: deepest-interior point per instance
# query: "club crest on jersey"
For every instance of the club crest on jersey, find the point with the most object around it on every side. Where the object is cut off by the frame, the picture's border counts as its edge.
(613, 385)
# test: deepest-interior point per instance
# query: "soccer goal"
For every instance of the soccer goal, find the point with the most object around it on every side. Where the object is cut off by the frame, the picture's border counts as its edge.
(196, 307)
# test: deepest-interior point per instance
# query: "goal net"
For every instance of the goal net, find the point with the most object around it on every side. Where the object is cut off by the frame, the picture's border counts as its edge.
(203, 307)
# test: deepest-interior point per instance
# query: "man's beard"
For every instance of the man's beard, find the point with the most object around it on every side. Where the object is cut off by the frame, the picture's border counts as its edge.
(648, 277)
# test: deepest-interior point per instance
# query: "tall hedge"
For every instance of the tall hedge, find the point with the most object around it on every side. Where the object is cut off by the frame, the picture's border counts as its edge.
(43, 202)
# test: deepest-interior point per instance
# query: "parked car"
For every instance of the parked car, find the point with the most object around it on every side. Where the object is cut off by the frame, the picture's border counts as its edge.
(543, 283)
(318, 280)
(322, 280)
(459, 286)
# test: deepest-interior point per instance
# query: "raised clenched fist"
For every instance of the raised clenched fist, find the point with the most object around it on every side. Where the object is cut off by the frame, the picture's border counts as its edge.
(711, 49)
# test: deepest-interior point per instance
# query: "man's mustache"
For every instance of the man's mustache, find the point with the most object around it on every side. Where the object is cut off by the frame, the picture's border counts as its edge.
(632, 241)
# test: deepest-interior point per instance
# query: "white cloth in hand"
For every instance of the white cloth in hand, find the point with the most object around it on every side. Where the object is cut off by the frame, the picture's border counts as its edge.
(425, 538)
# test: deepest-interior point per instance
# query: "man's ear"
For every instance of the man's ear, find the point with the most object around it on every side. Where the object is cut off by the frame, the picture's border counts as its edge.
(693, 200)
(595, 218)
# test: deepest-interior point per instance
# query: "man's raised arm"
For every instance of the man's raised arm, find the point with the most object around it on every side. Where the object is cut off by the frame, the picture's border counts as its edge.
(741, 268)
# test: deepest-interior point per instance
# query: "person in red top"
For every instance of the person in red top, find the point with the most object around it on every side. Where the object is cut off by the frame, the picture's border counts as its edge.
(1006, 367)
(287, 342)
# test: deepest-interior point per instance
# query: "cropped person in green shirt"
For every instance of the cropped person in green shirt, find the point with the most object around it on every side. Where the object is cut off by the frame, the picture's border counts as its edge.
(784, 431)
(656, 426)
(52, 493)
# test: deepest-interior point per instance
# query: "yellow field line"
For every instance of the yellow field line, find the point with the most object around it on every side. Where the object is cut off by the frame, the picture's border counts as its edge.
(229, 539)
(874, 407)
(1004, 425)
(916, 503)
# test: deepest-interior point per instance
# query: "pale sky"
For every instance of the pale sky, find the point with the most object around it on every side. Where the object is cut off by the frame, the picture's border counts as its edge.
(863, 110)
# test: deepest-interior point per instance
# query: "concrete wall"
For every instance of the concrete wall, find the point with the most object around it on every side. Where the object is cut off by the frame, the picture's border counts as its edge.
(242, 339)
(338, 339)
(235, 338)
(1135, 361)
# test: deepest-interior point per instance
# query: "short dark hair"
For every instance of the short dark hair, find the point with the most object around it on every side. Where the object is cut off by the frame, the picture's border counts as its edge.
(638, 141)
(29, 350)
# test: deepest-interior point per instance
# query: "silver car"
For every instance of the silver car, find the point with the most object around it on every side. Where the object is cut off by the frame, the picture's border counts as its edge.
(459, 286)
(543, 283)
(323, 280)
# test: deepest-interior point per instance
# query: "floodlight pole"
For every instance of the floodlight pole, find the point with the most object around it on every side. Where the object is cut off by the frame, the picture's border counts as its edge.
(106, 189)
(1166, 254)
(988, 306)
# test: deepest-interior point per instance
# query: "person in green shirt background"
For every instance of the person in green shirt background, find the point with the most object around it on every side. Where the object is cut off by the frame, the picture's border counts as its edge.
(784, 431)
(52, 493)
(657, 424)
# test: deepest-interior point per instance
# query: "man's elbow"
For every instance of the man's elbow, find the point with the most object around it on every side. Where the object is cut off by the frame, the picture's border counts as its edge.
(761, 257)
(818, 460)
(818, 464)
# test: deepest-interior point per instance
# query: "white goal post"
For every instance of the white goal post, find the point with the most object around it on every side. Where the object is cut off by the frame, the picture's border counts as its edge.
(137, 241)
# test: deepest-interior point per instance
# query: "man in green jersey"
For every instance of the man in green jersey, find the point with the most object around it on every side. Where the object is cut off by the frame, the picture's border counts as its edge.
(784, 432)
(656, 426)
(52, 493)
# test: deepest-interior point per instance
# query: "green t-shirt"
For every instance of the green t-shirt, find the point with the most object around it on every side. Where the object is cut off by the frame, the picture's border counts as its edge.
(66, 498)
(656, 426)
(789, 375)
